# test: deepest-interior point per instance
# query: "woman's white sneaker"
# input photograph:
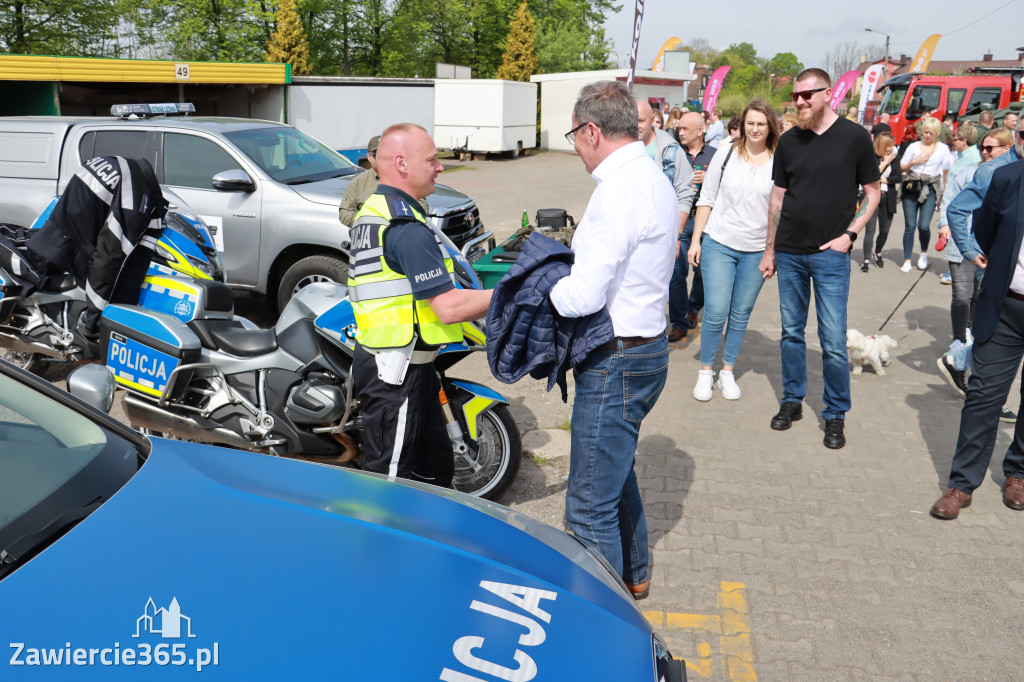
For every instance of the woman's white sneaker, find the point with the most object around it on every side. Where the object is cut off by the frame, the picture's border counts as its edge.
(727, 385)
(905, 267)
(922, 262)
(705, 380)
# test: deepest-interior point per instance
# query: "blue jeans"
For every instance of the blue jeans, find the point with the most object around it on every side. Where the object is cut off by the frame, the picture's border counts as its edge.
(829, 272)
(614, 392)
(734, 281)
(919, 215)
(680, 302)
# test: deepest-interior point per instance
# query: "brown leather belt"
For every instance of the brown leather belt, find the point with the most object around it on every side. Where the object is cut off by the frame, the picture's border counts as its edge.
(1014, 294)
(628, 342)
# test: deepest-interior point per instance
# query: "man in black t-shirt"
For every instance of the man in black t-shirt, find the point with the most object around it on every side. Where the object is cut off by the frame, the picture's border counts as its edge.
(813, 220)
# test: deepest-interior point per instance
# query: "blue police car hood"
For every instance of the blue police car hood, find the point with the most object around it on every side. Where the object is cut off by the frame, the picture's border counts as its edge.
(283, 569)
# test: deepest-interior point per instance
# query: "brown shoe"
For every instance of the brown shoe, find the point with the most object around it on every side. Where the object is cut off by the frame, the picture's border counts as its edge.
(949, 505)
(676, 334)
(640, 591)
(691, 319)
(1013, 493)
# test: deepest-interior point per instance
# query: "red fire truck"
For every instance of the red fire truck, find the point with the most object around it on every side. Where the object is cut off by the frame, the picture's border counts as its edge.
(908, 97)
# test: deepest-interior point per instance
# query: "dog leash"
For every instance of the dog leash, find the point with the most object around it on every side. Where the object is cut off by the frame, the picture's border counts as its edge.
(923, 272)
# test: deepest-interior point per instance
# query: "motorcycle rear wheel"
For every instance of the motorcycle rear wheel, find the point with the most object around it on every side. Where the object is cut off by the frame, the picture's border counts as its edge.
(27, 361)
(497, 454)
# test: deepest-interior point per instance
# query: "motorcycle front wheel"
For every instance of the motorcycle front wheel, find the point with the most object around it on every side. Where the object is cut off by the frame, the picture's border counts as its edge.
(493, 461)
(26, 360)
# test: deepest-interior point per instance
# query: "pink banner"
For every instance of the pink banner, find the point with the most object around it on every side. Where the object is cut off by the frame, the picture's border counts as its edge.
(842, 86)
(638, 19)
(714, 87)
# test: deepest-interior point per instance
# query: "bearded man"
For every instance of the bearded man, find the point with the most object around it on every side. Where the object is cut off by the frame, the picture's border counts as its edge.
(813, 220)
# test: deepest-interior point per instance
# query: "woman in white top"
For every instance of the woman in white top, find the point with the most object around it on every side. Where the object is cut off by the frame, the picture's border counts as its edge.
(928, 162)
(732, 214)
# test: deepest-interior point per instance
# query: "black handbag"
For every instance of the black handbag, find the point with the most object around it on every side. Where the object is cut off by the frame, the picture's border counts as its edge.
(911, 186)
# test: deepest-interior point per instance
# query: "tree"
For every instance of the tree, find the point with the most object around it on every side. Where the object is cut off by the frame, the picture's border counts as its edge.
(784, 64)
(73, 27)
(520, 59)
(701, 51)
(843, 57)
(288, 44)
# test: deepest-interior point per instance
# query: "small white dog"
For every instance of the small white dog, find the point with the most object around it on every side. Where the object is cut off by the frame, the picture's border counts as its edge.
(868, 350)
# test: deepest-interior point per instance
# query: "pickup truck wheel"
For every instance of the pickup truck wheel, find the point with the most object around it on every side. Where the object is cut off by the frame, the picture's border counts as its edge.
(307, 271)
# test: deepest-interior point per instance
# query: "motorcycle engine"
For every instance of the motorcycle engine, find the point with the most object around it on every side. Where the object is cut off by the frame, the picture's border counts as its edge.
(317, 400)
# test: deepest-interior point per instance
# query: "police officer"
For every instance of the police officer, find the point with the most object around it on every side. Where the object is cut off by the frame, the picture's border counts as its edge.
(363, 186)
(403, 294)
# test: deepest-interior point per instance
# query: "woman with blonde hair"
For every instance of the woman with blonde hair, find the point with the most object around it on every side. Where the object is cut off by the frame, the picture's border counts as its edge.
(927, 161)
(885, 152)
(732, 214)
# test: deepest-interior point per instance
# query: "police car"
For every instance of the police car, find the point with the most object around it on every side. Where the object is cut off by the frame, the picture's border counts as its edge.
(119, 553)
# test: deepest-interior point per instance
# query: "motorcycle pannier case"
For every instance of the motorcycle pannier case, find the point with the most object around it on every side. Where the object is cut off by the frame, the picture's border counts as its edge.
(144, 347)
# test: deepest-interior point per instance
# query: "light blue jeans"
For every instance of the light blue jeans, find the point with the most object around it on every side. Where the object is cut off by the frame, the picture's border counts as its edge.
(917, 216)
(829, 273)
(614, 392)
(733, 283)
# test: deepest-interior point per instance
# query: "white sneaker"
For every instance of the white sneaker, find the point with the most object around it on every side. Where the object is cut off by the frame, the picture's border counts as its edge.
(922, 262)
(705, 379)
(905, 267)
(727, 385)
(969, 336)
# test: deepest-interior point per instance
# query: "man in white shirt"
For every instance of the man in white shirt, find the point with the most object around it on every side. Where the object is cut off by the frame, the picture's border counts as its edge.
(625, 247)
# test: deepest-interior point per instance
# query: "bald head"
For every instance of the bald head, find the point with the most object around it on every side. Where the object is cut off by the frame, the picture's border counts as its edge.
(407, 160)
(691, 130)
(645, 119)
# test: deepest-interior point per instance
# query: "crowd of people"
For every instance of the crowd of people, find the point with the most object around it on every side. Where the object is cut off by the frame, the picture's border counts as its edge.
(736, 203)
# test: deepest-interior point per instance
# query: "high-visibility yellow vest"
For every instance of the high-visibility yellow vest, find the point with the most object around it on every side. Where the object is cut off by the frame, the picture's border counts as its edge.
(386, 312)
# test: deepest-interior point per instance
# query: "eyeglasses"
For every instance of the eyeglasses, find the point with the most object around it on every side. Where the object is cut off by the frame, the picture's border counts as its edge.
(759, 125)
(989, 148)
(806, 94)
(571, 135)
(1020, 133)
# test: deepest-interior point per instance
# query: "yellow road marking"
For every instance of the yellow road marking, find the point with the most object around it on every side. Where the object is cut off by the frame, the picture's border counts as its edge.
(735, 657)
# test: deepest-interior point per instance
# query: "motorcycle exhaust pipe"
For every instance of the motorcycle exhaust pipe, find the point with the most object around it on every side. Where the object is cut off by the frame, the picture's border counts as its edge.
(143, 414)
(21, 346)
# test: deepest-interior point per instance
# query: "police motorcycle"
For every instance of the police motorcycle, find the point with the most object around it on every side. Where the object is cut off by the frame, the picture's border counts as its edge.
(43, 327)
(196, 372)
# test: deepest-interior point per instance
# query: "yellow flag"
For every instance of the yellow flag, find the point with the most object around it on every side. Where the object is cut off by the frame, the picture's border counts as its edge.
(659, 61)
(924, 55)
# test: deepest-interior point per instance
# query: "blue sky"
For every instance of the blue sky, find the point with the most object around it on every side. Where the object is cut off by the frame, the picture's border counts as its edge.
(788, 26)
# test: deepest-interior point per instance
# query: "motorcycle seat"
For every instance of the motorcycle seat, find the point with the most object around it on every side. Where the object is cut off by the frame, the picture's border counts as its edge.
(245, 342)
(56, 284)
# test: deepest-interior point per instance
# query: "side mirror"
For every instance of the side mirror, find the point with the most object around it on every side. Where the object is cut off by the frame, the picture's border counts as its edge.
(235, 180)
(916, 108)
(93, 384)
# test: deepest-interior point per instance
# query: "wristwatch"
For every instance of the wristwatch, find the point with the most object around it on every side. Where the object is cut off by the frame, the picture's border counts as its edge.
(852, 235)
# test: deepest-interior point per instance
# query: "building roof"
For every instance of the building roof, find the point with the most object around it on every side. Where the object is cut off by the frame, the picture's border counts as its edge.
(18, 67)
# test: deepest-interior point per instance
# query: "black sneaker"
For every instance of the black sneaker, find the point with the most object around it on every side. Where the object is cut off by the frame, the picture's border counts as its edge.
(878, 260)
(789, 412)
(1007, 415)
(864, 266)
(834, 437)
(956, 378)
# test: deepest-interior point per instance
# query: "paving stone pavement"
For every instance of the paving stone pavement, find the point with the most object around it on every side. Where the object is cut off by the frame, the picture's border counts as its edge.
(843, 574)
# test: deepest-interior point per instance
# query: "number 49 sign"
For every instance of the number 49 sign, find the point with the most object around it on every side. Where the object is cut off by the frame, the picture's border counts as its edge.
(182, 72)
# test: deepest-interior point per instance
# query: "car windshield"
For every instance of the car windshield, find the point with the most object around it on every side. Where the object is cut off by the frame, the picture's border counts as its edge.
(290, 156)
(54, 462)
(892, 99)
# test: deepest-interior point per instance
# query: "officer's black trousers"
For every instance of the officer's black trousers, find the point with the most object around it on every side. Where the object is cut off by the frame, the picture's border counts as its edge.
(405, 436)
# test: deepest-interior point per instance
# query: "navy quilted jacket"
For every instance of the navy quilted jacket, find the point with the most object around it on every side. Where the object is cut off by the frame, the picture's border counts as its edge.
(525, 334)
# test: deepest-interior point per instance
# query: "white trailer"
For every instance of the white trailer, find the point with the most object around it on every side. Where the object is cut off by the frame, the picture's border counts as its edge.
(485, 115)
(345, 112)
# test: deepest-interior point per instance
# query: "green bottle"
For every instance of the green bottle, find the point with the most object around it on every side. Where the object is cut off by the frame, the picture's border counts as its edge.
(526, 219)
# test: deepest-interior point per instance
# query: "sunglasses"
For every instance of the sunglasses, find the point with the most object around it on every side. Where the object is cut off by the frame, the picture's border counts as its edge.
(571, 135)
(806, 94)
(989, 148)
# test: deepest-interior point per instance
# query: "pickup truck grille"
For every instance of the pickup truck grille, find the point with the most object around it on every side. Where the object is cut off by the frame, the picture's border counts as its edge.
(462, 226)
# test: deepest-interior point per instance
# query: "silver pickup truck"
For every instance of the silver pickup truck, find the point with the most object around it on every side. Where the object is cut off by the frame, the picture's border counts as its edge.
(270, 192)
